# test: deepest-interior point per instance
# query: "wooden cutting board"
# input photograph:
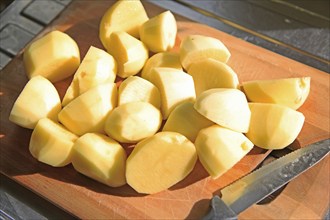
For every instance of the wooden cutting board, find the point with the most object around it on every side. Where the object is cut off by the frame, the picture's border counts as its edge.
(307, 196)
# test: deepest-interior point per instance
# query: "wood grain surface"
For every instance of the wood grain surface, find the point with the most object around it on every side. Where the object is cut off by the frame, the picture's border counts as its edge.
(306, 196)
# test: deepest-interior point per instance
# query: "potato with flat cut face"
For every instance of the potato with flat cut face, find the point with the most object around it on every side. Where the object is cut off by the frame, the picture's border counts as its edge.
(175, 87)
(100, 158)
(133, 121)
(159, 162)
(210, 73)
(291, 92)
(159, 32)
(51, 143)
(39, 99)
(164, 59)
(87, 113)
(274, 126)
(185, 120)
(135, 88)
(96, 68)
(54, 56)
(125, 16)
(198, 47)
(219, 149)
(226, 107)
(130, 53)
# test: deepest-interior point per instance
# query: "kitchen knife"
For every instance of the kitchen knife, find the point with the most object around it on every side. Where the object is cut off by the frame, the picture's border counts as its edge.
(264, 181)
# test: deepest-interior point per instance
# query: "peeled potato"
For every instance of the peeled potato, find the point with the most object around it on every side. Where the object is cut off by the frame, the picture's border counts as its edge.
(130, 53)
(164, 59)
(219, 149)
(96, 68)
(159, 32)
(39, 99)
(175, 87)
(88, 112)
(133, 121)
(226, 107)
(291, 92)
(135, 88)
(185, 120)
(124, 16)
(210, 73)
(54, 56)
(274, 126)
(159, 162)
(197, 47)
(100, 158)
(51, 143)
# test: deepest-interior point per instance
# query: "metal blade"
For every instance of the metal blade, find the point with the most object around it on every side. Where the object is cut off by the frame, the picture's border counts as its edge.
(254, 187)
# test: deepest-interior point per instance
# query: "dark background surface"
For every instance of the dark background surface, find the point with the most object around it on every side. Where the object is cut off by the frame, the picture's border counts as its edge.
(298, 29)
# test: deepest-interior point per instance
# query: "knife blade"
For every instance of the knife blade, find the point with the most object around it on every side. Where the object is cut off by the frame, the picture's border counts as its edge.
(255, 186)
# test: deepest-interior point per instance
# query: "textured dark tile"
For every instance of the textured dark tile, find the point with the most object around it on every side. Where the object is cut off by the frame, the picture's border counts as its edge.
(14, 38)
(64, 2)
(43, 11)
(4, 60)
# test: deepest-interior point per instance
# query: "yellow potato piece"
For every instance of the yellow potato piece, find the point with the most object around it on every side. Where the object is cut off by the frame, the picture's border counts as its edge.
(51, 143)
(96, 68)
(130, 53)
(185, 120)
(55, 56)
(175, 87)
(88, 112)
(225, 107)
(135, 88)
(159, 32)
(163, 59)
(197, 47)
(100, 158)
(291, 92)
(39, 99)
(159, 162)
(123, 15)
(219, 149)
(274, 126)
(132, 122)
(210, 73)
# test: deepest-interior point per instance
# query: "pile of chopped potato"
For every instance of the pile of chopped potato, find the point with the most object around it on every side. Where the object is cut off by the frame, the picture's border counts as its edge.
(175, 107)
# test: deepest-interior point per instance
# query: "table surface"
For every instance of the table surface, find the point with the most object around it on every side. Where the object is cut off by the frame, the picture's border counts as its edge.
(296, 29)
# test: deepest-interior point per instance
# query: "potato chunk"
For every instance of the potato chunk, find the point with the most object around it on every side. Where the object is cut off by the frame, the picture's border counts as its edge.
(100, 158)
(122, 16)
(51, 143)
(226, 107)
(185, 120)
(87, 112)
(159, 32)
(135, 88)
(132, 122)
(96, 68)
(197, 47)
(164, 59)
(274, 126)
(210, 73)
(130, 53)
(159, 162)
(291, 92)
(55, 56)
(39, 99)
(219, 149)
(175, 87)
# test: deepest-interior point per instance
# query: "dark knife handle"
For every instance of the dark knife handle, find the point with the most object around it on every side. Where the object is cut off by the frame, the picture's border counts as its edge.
(220, 211)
